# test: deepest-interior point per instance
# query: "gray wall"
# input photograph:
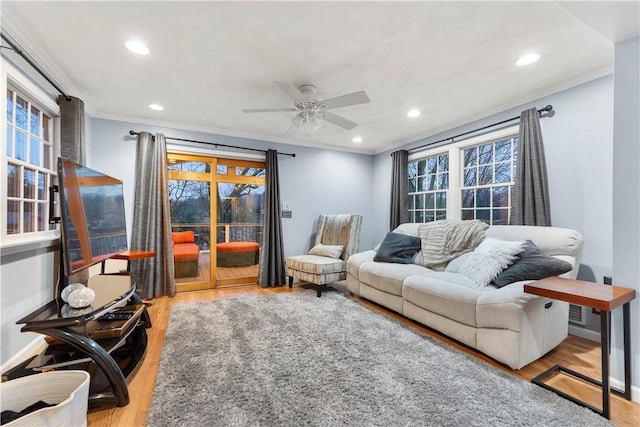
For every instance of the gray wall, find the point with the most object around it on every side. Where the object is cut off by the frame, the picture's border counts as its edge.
(27, 283)
(314, 182)
(578, 145)
(626, 197)
(584, 164)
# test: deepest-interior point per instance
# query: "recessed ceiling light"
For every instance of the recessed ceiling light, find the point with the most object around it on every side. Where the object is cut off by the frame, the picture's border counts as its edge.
(356, 139)
(413, 113)
(137, 46)
(156, 107)
(527, 59)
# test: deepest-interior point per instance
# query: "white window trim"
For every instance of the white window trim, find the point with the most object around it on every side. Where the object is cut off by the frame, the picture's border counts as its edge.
(9, 73)
(454, 202)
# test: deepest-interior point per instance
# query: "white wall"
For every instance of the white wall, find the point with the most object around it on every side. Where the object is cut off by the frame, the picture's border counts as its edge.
(626, 199)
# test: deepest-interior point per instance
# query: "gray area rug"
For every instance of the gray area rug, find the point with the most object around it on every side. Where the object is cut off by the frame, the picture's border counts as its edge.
(294, 359)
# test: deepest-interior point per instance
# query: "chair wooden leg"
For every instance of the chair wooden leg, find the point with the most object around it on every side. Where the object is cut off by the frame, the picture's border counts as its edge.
(291, 281)
(319, 290)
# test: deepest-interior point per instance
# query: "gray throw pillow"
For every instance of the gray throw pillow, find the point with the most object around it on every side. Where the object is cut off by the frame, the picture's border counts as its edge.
(398, 248)
(531, 264)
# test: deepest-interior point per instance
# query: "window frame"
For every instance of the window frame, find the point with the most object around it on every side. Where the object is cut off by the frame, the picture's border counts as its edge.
(13, 79)
(455, 151)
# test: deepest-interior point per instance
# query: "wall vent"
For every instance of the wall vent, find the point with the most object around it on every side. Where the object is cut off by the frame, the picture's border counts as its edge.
(577, 315)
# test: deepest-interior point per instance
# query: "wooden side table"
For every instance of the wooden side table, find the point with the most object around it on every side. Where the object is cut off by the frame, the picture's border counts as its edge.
(132, 256)
(601, 297)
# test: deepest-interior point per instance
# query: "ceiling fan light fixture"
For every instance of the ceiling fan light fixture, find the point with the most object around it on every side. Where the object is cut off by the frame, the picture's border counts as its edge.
(527, 59)
(136, 46)
(413, 113)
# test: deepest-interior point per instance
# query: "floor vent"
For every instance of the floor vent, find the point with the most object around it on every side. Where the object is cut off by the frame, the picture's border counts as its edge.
(577, 315)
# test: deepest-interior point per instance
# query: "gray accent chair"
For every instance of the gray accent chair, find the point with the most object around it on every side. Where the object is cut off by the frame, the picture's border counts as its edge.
(326, 263)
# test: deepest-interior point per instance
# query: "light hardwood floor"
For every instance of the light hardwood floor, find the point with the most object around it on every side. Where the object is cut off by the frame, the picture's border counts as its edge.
(575, 353)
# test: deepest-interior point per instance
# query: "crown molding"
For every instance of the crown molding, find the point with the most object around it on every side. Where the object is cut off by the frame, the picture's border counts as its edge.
(225, 132)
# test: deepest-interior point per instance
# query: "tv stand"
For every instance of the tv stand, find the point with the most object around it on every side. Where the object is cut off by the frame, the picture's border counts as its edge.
(110, 350)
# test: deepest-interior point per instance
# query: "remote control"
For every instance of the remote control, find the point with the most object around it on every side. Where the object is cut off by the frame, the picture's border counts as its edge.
(117, 315)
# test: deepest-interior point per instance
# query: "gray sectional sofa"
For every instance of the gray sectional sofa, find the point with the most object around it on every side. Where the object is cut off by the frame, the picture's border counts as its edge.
(507, 324)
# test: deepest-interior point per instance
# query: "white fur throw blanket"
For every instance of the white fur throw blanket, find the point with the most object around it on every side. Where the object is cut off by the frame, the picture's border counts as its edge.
(445, 240)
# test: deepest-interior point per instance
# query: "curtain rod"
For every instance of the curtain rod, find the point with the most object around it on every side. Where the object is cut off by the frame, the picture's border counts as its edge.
(546, 109)
(35, 67)
(216, 144)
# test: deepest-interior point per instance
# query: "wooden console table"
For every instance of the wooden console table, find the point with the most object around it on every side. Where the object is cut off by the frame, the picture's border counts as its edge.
(601, 297)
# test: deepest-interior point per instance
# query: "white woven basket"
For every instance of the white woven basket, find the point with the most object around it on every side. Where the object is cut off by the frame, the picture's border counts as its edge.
(69, 390)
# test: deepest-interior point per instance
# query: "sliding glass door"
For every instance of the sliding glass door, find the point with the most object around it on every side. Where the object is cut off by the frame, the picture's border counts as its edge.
(216, 219)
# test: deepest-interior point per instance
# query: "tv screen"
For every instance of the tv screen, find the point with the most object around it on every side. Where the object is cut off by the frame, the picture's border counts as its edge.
(93, 217)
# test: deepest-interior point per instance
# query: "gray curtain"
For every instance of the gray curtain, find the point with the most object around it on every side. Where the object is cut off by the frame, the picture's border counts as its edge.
(152, 219)
(272, 271)
(399, 188)
(72, 129)
(530, 204)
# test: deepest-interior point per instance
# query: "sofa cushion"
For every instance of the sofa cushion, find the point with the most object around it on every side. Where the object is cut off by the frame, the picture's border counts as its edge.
(455, 264)
(179, 237)
(331, 251)
(398, 248)
(532, 264)
(185, 251)
(315, 264)
(489, 259)
(387, 277)
(451, 295)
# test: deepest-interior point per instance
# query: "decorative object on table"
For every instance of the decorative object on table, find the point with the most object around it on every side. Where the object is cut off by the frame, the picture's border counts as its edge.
(68, 311)
(359, 367)
(81, 298)
(70, 288)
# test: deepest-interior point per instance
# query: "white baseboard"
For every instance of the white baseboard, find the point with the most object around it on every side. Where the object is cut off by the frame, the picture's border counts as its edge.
(584, 333)
(635, 391)
(32, 348)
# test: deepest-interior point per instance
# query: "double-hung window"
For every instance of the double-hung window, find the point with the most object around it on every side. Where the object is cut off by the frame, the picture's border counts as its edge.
(469, 179)
(28, 159)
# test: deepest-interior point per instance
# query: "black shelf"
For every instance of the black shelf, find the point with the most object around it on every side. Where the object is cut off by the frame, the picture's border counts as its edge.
(111, 351)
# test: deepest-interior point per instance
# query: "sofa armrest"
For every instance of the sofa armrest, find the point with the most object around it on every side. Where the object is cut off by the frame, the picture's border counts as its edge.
(498, 308)
(355, 261)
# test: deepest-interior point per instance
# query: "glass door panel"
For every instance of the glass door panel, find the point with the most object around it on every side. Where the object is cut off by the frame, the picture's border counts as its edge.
(239, 232)
(190, 206)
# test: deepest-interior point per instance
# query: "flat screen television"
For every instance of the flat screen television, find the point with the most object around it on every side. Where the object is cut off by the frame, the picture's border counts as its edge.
(92, 216)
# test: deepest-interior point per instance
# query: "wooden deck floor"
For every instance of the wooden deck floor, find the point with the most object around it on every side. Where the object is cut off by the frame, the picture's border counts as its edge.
(225, 276)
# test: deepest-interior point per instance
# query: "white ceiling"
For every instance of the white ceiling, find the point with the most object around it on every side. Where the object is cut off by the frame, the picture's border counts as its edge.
(209, 60)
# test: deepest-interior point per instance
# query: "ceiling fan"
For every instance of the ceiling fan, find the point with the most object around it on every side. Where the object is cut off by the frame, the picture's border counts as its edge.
(310, 108)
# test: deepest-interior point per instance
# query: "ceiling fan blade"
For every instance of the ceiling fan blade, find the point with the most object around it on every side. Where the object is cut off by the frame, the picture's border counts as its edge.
(346, 100)
(291, 91)
(267, 110)
(337, 120)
